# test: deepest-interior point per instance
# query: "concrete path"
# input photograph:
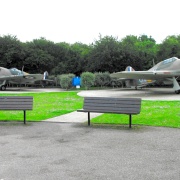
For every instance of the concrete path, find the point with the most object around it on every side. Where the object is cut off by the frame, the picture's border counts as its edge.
(73, 117)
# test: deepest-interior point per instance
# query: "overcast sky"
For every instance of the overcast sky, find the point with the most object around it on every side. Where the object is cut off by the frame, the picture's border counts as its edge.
(83, 20)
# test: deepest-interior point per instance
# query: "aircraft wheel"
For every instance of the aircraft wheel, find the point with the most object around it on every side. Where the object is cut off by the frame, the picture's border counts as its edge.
(3, 88)
(177, 92)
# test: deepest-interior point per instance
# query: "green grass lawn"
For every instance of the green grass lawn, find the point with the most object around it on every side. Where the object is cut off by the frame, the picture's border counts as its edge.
(153, 113)
(51, 104)
(45, 105)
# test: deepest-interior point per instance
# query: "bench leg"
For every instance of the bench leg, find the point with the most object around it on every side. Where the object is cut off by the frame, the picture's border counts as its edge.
(24, 117)
(130, 120)
(88, 118)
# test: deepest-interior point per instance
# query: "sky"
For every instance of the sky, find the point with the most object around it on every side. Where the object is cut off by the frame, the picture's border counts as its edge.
(83, 21)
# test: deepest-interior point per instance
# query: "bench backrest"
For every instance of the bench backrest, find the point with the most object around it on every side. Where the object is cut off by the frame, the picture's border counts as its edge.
(116, 105)
(16, 102)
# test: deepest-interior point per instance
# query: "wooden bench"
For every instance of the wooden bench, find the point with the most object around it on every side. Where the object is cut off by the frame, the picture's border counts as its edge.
(16, 103)
(130, 106)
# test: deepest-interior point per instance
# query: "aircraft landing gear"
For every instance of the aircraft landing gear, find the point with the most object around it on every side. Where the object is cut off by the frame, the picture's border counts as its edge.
(177, 92)
(3, 85)
(3, 88)
(176, 86)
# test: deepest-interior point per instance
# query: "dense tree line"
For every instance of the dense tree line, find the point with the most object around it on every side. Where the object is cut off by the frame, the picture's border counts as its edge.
(107, 54)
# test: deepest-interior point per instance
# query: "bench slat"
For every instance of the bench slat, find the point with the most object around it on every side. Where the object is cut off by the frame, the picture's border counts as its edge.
(15, 97)
(110, 105)
(15, 103)
(112, 101)
(129, 111)
(115, 112)
(112, 98)
(17, 107)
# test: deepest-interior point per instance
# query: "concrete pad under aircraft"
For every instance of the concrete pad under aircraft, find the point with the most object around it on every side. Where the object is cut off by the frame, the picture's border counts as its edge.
(145, 93)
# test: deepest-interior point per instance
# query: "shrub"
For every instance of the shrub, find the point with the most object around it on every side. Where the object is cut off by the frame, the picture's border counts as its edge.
(66, 81)
(98, 79)
(87, 79)
(115, 82)
(102, 79)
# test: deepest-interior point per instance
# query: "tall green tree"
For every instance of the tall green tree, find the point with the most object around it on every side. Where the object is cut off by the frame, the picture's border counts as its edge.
(147, 51)
(169, 47)
(82, 51)
(38, 61)
(130, 52)
(105, 55)
(12, 52)
(139, 52)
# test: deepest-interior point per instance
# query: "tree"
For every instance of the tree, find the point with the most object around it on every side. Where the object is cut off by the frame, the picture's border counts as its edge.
(170, 47)
(130, 52)
(38, 60)
(105, 55)
(139, 52)
(82, 51)
(147, 50)
(57, 51)
(12, 52)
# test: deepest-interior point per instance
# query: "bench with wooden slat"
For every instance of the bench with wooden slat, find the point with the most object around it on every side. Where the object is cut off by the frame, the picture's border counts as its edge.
(16, 103)
(130, 106)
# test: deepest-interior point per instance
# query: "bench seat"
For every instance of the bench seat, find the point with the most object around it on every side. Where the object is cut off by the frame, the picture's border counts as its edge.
(15, 103)
(129, 106)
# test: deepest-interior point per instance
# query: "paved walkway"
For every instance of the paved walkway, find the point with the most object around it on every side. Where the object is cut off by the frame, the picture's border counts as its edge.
(74, 151)
(73, 117)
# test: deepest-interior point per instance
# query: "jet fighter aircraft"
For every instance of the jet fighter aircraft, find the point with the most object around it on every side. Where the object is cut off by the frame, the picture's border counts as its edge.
(16, 76)
(167, 70)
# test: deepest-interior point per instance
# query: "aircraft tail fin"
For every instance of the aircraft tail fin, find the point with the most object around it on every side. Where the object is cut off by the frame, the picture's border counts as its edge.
(129, 68)
(45, 75)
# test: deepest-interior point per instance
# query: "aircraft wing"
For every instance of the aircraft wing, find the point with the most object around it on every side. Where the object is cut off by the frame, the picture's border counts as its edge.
(34, 77)
(11, 77)
(153, 75)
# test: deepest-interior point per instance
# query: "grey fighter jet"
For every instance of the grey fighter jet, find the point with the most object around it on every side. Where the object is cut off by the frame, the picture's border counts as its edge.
(16, 76)
(167, 71)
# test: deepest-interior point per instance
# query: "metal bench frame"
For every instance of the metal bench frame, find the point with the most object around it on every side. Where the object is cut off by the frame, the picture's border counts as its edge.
(16, 103)
(129, 106)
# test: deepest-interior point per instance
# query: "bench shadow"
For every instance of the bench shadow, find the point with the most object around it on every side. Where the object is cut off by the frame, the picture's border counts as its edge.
(123, 127)
(14, 123)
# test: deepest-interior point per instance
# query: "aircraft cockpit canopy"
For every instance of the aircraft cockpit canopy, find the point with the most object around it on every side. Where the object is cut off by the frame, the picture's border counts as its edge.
(170, 60)
(16, 71)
